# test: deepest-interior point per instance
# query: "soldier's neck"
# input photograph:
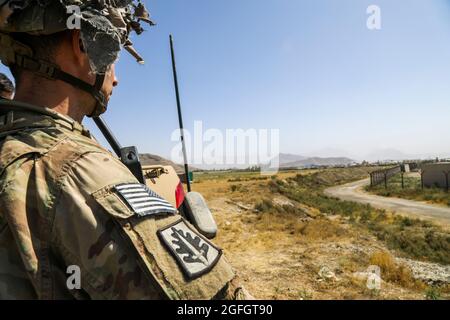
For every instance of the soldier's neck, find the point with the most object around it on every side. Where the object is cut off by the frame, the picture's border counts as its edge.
(55, 95)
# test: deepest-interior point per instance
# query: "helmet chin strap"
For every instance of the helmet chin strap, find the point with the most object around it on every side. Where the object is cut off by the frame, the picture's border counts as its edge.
(53, 72)
(101, 104)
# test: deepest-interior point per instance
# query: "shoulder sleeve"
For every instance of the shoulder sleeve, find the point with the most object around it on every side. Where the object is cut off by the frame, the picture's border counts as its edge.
(129, 250)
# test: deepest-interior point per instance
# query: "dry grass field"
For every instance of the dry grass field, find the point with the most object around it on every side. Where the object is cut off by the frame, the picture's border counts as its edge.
(287, 240)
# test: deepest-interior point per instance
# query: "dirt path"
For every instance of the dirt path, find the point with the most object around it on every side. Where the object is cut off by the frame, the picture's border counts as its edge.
(354, 192)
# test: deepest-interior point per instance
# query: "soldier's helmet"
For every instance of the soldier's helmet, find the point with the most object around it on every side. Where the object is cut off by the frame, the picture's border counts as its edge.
(105, 27)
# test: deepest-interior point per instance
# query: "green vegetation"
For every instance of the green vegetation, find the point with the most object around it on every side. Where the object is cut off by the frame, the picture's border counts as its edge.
(236, 176)
(230, 176)
(415, 238)
(251, 178)
(412, 190)
(433, 293)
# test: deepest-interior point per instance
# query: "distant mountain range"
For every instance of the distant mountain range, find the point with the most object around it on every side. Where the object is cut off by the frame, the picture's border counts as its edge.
(286, 161)
(288, 157)
(148, 159)
(297, 161)
(389, 154)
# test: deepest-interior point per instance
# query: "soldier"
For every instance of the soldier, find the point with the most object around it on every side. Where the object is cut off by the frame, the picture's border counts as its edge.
(6, 87)
(66, 203)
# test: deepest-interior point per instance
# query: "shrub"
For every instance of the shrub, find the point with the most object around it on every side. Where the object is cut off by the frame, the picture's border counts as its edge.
(264, 205)
(433, 293)
(390, 271)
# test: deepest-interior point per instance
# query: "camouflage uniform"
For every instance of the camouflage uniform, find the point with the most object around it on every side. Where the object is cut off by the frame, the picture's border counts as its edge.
(59, 208)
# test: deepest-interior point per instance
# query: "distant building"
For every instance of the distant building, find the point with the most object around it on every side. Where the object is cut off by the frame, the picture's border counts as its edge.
(434, 174)
(405, 167)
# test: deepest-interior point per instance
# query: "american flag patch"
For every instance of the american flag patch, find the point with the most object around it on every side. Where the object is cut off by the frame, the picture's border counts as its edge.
(144, 201)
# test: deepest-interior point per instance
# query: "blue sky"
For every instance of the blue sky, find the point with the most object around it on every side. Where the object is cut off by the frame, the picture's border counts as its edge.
(310, 68)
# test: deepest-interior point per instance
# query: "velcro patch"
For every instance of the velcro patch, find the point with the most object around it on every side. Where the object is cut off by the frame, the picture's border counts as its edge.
(143, 201)
(194, 254)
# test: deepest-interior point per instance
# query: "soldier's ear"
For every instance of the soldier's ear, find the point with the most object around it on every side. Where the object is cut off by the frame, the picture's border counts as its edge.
(77, 45)
(81, 46)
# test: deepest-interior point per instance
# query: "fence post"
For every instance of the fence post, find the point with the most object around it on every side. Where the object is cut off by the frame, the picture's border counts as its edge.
(446, 180)
(385, 180)
(403, 183)
(421, 178)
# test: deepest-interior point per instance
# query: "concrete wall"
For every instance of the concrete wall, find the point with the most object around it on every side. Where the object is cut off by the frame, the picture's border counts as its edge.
(433, 174)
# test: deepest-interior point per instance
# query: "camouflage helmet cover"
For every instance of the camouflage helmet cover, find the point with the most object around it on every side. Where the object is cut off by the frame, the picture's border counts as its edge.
(104, 25)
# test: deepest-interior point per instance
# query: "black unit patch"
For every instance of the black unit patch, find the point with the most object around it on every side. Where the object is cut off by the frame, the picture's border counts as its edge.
(144, 201)
(195, 255)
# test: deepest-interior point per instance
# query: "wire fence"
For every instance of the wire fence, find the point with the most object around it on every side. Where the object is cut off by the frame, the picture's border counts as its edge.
(382, 176)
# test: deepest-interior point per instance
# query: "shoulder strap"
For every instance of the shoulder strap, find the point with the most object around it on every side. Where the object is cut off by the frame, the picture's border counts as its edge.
(9, 105)
(17, 105)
